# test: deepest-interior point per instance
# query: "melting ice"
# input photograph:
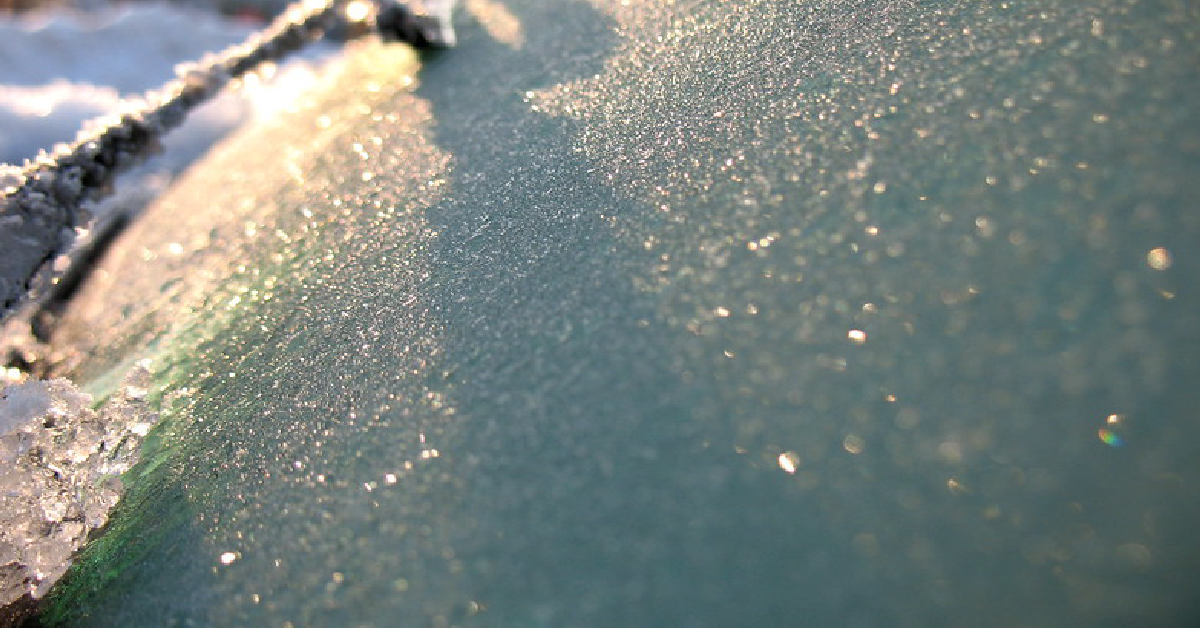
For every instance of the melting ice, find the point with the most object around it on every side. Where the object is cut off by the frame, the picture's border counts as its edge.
(60, 467)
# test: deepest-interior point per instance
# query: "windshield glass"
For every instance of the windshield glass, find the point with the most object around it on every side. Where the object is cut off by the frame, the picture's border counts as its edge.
(749, 312)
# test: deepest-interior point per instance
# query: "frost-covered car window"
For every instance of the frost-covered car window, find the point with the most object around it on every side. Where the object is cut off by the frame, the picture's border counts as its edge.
(737, 313)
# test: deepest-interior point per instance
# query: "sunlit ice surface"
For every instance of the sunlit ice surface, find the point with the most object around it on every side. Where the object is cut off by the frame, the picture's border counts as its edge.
(675, 313)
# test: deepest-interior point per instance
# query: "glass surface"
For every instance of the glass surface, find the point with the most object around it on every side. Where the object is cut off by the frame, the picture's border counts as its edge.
(726, 313)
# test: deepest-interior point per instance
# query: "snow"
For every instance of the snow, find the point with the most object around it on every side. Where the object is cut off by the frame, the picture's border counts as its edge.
(60, 70)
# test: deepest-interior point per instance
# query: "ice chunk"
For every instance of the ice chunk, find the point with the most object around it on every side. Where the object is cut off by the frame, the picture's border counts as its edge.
(59, 476)
(23, 403)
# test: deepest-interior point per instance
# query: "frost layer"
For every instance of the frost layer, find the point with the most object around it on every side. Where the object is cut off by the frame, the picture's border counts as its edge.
(60, 463)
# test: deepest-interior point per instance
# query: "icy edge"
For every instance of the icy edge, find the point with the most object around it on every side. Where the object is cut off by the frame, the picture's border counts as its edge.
(60, 473)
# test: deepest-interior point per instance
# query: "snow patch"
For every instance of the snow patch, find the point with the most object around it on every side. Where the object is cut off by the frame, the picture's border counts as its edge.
(58, 70)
